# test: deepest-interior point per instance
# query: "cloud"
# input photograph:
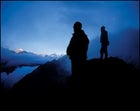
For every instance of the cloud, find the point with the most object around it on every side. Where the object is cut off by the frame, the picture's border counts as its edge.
(8, 81)
(43, 24)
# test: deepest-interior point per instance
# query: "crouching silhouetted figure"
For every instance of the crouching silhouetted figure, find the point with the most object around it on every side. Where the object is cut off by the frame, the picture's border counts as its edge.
(77, 50)
(104, 43)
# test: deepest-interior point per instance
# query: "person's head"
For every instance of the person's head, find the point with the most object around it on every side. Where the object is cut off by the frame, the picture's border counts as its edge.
(102, 28)
(77, 26)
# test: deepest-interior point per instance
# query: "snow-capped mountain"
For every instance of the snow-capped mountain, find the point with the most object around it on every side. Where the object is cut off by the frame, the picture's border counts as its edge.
(13, 59)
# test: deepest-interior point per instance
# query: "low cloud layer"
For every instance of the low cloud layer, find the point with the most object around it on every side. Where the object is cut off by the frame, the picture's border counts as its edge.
(8, 81)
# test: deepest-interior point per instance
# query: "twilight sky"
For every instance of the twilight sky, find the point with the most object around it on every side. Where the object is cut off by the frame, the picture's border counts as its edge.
(45, 27)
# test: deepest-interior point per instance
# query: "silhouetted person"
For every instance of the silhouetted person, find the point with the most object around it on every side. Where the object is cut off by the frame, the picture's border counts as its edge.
(77, 49)
(104, 43)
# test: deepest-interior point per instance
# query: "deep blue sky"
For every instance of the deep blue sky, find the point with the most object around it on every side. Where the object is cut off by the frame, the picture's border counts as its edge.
(45, 27)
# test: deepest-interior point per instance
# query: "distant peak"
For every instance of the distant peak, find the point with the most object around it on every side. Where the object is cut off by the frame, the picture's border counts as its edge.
(19, 50)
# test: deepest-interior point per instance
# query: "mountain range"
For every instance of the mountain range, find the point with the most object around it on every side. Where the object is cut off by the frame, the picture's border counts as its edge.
(10, 60)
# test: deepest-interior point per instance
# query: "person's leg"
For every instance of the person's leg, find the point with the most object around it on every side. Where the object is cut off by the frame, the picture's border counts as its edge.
(76, 74)
(101, 53)
(73, 67)
(106, 53)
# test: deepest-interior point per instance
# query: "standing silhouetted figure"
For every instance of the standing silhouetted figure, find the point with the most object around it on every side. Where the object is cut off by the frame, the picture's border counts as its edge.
(104, 43)
(77, 49)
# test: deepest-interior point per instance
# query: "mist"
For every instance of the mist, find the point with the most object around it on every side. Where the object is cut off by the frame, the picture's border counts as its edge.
(124, 44)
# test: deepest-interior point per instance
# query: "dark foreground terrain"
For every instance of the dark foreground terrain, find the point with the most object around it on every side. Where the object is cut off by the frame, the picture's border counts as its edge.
(111, 79)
